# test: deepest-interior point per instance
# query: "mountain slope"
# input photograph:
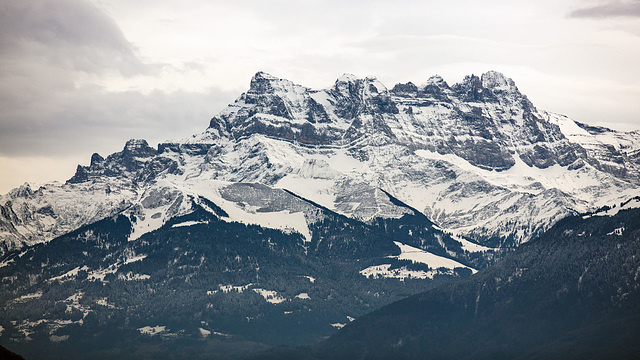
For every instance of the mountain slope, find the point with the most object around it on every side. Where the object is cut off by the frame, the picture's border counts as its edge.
(573, 293)
(203, 282)
(9, 355)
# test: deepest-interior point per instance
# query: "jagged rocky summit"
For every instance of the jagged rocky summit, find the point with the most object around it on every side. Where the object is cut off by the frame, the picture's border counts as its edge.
(477, 158)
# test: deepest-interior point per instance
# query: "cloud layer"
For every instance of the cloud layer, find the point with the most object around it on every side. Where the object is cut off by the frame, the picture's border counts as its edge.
(58, 58)
(609, 9)
(65, 34)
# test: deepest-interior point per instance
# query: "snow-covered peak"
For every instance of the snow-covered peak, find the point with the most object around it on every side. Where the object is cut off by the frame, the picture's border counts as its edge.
(317, 169)
(261, 75)
(375, 86)
(137, 147)
(22, 191)
(348, 78)
(436, 80)
(407, 89)
(486, 86)
(263, 83)
(349, 84)
(496, 80)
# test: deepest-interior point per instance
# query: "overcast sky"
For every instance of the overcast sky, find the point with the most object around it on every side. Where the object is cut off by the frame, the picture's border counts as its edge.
(78, 77)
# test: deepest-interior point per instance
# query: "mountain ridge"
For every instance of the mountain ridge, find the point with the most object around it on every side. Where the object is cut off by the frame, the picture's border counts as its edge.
(451, 144)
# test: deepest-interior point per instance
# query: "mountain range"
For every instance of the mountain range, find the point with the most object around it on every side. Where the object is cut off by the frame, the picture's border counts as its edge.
(476, 157)
(294, 212)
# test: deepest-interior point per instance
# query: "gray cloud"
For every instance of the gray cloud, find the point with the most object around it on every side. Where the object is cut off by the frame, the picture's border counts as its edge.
(92, 119)
(609, 9)
(53, 55)
(71, 34)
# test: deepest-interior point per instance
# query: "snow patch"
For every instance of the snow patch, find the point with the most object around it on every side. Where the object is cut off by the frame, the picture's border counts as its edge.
(100, 274)
(189, 223)
(69, 274)
(103, 302)
(133, 277)
(134, 259)
(221, 334)
(152, 330)
(303, 296)
(6, 262)
(438, 265)
(270, 296)
(73, 302)
(27, 297)
(385, 271)
(317, 169)
(56, 338)
(617, 231)
(284, 220)
(157, 205)
(633, 203)
(229, 288)
(466, 244)
(433, 261)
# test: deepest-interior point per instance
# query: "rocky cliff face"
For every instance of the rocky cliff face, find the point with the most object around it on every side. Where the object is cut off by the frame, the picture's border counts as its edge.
(485, 121)
(476, 157)
(137, 161)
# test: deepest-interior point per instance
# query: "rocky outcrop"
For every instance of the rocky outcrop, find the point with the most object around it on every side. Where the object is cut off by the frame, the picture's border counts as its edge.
(137, 161)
